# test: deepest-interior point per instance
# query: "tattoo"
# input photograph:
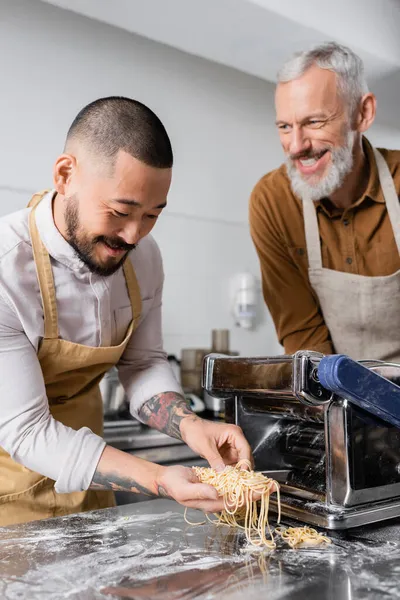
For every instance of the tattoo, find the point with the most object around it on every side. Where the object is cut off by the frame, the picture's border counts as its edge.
(113, 481)
(165, 413)
(117, 483)
(162, 492)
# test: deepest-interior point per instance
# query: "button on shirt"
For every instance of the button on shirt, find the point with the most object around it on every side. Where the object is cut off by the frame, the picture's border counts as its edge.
(358, 240)
(92, 310)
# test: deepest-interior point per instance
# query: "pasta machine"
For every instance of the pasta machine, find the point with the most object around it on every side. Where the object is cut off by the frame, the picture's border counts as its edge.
(325, 427)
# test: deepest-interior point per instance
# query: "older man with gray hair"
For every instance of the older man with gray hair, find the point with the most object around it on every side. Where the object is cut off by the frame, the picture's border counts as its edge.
(326, 224)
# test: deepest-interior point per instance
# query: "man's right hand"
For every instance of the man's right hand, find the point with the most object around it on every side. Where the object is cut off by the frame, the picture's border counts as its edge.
(182, 485)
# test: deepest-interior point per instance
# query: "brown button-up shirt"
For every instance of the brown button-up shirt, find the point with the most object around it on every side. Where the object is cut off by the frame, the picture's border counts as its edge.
(357, 240)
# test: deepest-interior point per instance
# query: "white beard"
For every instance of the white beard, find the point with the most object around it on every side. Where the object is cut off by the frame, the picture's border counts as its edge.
(340, 167)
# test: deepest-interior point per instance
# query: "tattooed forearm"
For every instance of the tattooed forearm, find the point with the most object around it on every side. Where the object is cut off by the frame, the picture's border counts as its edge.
(121, 472)
(118, 483)
(162, 492)
(165, 413)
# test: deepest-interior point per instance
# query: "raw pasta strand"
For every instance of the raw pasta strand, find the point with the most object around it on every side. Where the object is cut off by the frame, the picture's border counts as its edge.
(295, 536)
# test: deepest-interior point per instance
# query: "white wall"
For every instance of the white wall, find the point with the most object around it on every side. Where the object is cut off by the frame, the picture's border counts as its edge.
(221, 125)
(365, 25)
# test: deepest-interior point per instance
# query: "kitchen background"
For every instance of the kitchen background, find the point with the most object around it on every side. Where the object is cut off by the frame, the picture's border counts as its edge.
(220, 119)
(207, 69)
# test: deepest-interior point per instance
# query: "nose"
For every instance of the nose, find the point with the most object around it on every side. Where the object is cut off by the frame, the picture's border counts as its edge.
(130, 234)
(299, 142)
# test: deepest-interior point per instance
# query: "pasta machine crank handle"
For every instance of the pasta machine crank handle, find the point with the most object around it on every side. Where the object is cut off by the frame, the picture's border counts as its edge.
(353, 381)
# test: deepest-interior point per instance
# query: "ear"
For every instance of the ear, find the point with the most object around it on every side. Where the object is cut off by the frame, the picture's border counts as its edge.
(62, 172)
(366, 112)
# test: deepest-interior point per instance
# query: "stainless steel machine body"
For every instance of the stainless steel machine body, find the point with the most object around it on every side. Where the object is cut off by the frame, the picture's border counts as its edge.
(338, 466)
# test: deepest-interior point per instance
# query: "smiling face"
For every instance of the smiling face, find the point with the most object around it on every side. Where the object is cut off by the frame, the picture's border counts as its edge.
(314, 127)
(103, 213)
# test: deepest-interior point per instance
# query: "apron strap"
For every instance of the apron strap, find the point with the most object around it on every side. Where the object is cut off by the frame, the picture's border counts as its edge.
(311, 230)
(390, 195)
(133, 291)
(36, 198)
(44, 274)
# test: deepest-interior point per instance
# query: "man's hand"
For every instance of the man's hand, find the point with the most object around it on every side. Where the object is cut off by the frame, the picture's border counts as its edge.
(220, 444)
(181, 484)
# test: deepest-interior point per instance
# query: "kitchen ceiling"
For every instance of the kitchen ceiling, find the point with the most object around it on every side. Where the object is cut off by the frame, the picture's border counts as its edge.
(255, 36)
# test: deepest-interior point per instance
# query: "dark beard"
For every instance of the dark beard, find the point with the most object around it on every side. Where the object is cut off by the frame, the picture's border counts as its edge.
(83, 247)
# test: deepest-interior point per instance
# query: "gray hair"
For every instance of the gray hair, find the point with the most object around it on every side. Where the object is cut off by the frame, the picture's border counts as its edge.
(348, 67)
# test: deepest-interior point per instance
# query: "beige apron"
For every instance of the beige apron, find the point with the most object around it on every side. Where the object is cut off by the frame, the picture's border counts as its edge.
(72, 373)
(362, 313)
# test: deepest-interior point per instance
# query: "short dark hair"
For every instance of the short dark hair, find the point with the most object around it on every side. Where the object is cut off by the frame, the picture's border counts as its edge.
(117, 123)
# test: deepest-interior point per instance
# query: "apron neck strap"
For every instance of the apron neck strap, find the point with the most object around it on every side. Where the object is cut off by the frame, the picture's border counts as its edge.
(390, 195)
(311, 230)
(133, 290)
(36, 198)
(44, 274)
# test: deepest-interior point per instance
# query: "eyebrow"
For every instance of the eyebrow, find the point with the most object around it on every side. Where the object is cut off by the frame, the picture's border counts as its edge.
(135, 203)
(317, 115)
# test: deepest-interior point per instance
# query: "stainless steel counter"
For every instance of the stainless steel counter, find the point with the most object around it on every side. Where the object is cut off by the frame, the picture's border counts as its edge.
(146, 550)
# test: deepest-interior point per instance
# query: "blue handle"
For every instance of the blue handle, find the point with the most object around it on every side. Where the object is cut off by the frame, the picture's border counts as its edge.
(370, 391)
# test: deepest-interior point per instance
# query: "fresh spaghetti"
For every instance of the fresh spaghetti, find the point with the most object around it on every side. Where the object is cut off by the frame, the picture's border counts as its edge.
(246, 496)
(241, 490)
(298, 536)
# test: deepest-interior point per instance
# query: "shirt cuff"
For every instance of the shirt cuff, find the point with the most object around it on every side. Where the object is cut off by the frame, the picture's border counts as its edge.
(143, 385)
(82, 457)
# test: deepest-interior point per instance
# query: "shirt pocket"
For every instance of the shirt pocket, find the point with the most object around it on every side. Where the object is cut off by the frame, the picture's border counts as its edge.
(123, 317)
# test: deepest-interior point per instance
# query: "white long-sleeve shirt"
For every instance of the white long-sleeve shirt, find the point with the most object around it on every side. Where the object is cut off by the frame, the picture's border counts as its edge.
(92, 310)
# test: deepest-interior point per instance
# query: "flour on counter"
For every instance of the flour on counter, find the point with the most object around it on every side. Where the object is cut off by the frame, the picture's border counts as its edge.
(102, 555)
